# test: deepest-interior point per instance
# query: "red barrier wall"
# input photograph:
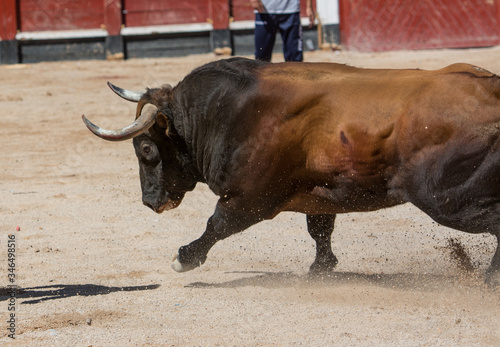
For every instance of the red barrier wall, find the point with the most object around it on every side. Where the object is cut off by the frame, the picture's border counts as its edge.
(378, 25)
(241, 9)
(8, 19)
(49, 15)
(365, 25)
(161, 12)
(37, 15)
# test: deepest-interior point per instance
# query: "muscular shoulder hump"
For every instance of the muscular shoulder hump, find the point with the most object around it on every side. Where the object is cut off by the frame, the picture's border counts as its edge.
(232, 66)
(476, 71)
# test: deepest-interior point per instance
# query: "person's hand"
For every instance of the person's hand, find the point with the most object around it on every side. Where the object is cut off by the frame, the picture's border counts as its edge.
(258, 6)
(310, 14)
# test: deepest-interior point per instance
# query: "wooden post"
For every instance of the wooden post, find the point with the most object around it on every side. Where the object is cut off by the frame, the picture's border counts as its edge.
(497, 6)
(113, 21)
(220, 37)
(9, 47)
(345, 23)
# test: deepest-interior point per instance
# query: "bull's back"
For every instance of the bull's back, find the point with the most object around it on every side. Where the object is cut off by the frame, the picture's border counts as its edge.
(360, 108)
(380, 134)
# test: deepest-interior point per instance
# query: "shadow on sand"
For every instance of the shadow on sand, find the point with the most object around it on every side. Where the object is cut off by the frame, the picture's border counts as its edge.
(403, 281)
(61, 291)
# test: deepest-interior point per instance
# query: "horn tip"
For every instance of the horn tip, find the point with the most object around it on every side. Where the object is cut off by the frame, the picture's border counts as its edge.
(126, 94)
(88, 123)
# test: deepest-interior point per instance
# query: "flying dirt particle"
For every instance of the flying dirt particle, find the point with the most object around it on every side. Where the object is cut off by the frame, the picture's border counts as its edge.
(458, 254)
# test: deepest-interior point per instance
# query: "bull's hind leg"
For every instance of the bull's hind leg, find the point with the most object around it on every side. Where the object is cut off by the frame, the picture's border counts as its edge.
(320, 228)
(493, 273)
(458, 185)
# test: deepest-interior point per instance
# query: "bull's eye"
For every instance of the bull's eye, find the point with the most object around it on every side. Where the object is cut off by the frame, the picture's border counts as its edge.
(146, 149)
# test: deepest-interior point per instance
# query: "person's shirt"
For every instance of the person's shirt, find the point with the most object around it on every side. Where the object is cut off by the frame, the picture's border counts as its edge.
(281, 6)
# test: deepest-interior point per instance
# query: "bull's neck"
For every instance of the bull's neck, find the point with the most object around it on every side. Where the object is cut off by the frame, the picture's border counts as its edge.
(205, 143)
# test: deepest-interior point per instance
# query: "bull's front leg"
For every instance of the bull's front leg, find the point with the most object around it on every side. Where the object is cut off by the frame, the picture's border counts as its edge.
(493, 272)
(221, 225)
(320, 228)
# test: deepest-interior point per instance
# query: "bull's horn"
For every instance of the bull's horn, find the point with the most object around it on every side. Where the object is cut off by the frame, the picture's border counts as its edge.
(141, 124)
(126, 94)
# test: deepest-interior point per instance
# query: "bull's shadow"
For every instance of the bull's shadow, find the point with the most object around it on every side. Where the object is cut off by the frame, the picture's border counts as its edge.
(61, 291)
(403, 281)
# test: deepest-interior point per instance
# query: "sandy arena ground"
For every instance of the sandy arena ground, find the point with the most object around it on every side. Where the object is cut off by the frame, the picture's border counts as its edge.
(94, 263)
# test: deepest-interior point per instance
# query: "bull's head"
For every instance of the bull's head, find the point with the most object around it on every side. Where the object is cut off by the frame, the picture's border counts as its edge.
(165, 170)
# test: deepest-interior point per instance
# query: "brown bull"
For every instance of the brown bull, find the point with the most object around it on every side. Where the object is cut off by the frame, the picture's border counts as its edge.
(320, 139)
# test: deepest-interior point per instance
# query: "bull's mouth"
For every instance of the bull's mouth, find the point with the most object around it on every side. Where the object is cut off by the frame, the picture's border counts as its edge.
(170, 205)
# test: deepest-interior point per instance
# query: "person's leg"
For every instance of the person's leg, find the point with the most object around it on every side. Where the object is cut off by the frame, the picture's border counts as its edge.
(291, 33)
(265, 35)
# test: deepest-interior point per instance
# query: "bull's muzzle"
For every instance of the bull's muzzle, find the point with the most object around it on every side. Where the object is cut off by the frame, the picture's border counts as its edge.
(170, 205)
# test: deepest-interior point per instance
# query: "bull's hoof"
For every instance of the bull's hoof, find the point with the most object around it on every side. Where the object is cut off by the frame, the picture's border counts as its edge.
(182, 267)
(493, 279)
(323, 266)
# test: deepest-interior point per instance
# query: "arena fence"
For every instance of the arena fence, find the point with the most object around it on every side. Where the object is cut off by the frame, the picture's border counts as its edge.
(49, 30)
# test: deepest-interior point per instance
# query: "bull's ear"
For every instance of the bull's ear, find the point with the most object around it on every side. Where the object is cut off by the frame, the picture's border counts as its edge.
(163, 122)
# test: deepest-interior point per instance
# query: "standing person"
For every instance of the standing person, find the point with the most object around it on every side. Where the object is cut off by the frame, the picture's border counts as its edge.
(272, 16)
